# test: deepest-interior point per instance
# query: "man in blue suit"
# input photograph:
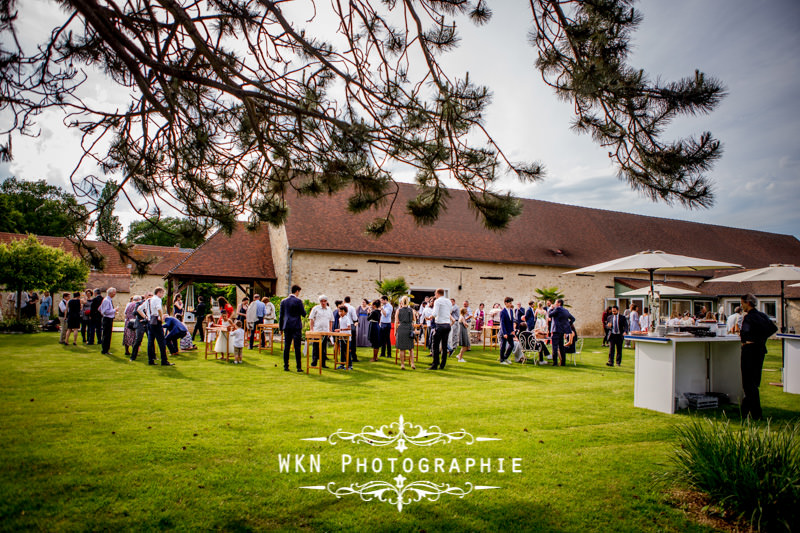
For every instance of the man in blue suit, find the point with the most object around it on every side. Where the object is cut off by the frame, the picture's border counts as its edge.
(292, 313)
(562, 325)
(506, 330)
(530, 317)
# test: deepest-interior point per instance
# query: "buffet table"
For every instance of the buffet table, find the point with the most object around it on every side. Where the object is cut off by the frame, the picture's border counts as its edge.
(667, 367)
(791, 362)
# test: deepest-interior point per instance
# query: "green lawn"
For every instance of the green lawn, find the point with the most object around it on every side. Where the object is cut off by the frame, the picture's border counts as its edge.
(92, 442)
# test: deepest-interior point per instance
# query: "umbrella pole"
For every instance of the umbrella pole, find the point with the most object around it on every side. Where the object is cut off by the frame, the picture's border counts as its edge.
(783, 329)
(650, 302)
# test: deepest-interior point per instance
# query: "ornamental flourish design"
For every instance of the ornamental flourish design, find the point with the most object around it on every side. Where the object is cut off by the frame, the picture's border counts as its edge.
(398, 493)
(402, 434)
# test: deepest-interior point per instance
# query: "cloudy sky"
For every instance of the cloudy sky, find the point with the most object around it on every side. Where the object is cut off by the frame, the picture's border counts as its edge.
(751, 45)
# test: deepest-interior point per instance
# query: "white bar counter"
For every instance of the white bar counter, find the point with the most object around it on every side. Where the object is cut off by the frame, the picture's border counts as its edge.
(791, 362)
(666, 367)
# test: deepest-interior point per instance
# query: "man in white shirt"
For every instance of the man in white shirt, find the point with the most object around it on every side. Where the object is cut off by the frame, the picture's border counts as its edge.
(155, 316)
(386, 327)
(441, 314)
(733, 321)
(62, 317)
(108, 312)
(320, 319)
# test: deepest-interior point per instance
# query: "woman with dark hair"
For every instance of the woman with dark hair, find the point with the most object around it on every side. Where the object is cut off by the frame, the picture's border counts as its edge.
(362, 331)
(375, 329)
(223, 304)
(177, 306)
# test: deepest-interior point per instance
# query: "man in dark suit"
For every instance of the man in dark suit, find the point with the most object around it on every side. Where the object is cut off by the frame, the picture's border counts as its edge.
(756, 329)
(95, 319)
(506, 330)
(530, 317)
(617, 327)
(562, 325)
(200, 316)
(292, 313)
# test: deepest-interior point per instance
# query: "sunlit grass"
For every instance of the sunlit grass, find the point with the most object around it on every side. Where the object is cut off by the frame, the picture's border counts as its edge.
(93, 442)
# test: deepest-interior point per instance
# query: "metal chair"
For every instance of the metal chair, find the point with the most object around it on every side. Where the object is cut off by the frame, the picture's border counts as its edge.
(528, 344)
(577, 352)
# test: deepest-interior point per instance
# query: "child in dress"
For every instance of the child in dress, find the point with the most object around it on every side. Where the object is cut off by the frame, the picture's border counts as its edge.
(207, 323)
(222, 346)
(237, 339)
(344, 326)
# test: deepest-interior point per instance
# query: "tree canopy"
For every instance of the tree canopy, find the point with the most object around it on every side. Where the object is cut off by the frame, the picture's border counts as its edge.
(167, 231)
(27, 264)
(235, 103)
(36, 207)
(109, 228)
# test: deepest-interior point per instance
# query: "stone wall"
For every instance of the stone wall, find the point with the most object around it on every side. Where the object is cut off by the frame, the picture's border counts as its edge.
(143, 284)
(483, 282)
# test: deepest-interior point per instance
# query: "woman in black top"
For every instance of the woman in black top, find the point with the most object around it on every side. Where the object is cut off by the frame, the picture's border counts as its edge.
(375, 329)
(73, 318)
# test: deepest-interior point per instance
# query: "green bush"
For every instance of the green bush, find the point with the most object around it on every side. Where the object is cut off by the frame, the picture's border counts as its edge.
(750, 470)
(24, 325)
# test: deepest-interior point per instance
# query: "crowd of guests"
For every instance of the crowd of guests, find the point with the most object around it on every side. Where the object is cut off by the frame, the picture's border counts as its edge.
(438, 321)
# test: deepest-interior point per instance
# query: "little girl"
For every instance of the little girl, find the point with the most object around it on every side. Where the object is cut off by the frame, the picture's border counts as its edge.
(222, 346)
(210, 334)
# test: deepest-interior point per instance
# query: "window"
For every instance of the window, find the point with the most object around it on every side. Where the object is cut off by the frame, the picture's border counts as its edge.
(612, 301)
(665, 309)
(769, 308)
(697, 305)
(681, 306)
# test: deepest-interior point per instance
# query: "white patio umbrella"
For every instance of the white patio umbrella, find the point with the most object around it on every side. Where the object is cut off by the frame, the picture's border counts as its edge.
(652, 261)
(663, 290)
(776, 272)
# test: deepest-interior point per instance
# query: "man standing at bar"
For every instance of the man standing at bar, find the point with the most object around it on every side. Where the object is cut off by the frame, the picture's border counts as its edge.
(292, 313)
(107, 313)
(756, 329)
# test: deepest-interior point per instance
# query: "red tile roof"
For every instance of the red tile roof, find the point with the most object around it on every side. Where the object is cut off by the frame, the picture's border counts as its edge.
(243, 255)
(546, 233)
(165, 258)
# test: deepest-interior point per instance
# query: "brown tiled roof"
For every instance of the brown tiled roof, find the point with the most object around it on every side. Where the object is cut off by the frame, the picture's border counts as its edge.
(546, 233)
(759, 288)
(166, 257)
(243, 255)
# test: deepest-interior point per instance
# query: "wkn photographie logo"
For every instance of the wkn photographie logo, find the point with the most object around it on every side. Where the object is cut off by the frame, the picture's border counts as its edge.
(404, 488)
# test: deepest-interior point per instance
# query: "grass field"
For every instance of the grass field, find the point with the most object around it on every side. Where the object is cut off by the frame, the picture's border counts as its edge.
(92, 442)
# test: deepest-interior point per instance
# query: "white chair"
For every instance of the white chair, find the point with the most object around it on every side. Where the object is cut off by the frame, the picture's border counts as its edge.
(578, 350)
(528, 344)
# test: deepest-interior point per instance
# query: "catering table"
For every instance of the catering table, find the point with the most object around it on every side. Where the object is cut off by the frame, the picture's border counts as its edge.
(667, 367)
(491, 332)
(791, 362)
(318, 337)
(261, 329)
